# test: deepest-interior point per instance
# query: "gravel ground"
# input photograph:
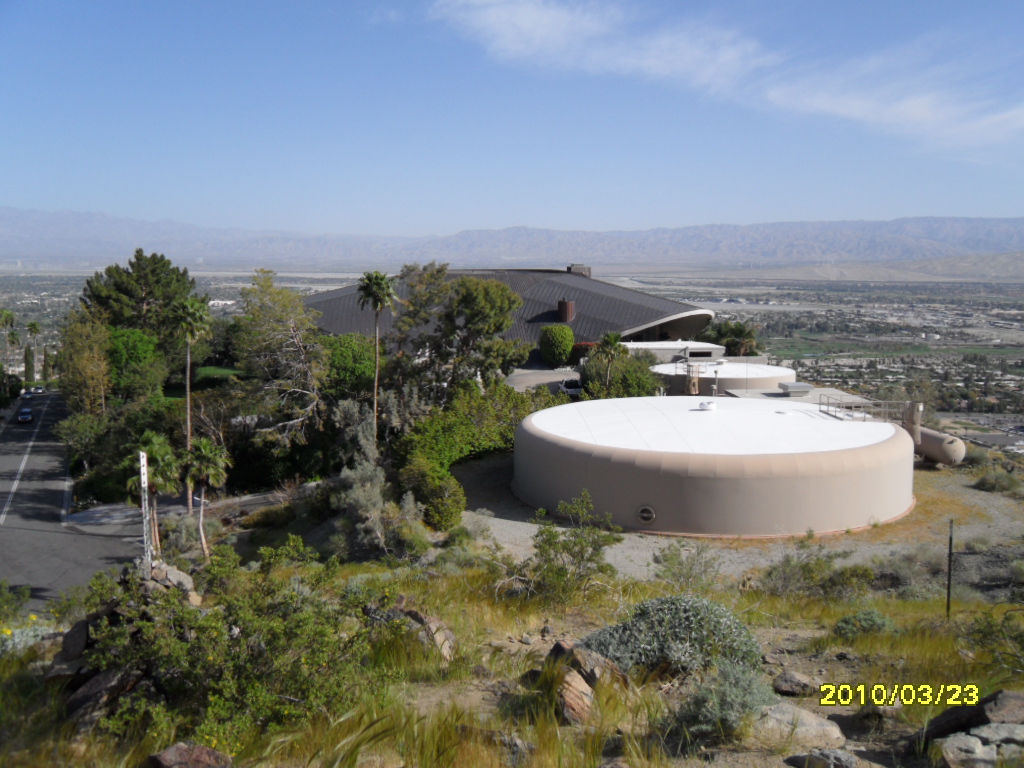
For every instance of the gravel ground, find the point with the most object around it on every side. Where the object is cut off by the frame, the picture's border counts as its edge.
(988, 522)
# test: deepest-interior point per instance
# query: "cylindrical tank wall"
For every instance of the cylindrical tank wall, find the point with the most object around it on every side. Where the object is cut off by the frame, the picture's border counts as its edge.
(719, 495)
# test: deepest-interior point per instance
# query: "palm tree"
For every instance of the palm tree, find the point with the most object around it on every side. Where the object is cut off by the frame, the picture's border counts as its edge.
(33, 331)
(610, 349)
(163, 472)
(6, 328)
(207, 466)
(193, 318)
(377, 291)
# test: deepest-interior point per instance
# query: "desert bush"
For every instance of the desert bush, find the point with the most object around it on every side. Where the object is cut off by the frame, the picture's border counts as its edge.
(812, 572)
(690, 567)
(868, 621)
(555, 344)
(976, 456)
(720, 707)
(268, 656)
(1001, 637)
(679, 634)
(568, 560)
(997, 481)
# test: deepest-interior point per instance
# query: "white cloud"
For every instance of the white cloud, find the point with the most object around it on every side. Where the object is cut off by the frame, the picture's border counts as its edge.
(915, 91)
(597, 37)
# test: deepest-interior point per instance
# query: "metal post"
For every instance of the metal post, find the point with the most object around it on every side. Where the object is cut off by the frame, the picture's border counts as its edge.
(949, 569)
(147, 533)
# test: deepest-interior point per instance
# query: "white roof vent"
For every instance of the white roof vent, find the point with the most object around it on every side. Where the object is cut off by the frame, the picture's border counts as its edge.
(708, 405)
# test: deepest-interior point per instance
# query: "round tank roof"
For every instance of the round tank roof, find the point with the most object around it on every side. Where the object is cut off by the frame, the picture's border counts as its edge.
(725, 370)
(735, 427)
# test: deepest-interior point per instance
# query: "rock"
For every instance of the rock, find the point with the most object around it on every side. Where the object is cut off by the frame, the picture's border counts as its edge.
(90, 703)
(62, 670)
(964, 751)
(434, 633)
(183, 755)
(560, 649)
(526, 639)
(158, 573)
(195, 599)
(778, 659)
(999, 707)
(546, 632)
(75, 640)
(180, 579)
(575, 699)
(151, 587)
(615, 762)
(592, 666)
(1000, 733)
(847, 656)
(785, 724)
(823, 758)
(791, 683)
(101, 686)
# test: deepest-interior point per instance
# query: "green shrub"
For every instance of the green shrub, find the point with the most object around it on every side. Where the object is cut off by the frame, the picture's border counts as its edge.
(580, 350)
(441, 494)
(556, 342)
(688, 567)
(869, 621)
(12, 601)
(681, 634)
(567, 560)
(270, 655)
(720, 707)
(812, 572)
(997, 481)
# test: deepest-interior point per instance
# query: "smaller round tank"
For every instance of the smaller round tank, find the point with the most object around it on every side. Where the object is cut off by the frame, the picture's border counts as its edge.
(726, 374)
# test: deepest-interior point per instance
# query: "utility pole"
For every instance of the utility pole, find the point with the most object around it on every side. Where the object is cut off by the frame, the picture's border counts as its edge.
(147, 534)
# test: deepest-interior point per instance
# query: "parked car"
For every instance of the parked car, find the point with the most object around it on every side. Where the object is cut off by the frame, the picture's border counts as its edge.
(25, 416)
(26, 395)
(38, 390)
(571, 387)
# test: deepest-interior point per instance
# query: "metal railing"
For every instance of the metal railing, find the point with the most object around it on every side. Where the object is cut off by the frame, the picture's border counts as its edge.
(854, 408)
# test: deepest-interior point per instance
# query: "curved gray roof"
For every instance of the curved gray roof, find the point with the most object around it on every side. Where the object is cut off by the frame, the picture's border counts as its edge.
(600, 307)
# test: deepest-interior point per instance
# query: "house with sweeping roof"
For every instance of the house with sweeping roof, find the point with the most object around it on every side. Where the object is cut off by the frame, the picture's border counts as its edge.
(571, 297)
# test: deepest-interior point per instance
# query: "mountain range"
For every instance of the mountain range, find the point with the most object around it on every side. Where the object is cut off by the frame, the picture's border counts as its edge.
(917, 248)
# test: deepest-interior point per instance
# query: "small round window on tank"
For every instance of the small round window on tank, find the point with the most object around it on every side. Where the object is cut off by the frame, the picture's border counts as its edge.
(646, 515)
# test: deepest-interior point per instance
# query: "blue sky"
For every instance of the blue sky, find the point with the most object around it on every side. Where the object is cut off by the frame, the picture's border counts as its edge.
(412, 118)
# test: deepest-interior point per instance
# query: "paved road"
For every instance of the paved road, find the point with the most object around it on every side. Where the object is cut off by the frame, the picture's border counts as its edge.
(37, 545)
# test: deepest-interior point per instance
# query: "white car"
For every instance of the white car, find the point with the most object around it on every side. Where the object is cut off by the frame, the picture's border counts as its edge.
(571, 387)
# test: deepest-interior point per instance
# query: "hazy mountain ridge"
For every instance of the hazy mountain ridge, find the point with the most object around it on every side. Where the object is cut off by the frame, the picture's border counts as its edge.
(73, 239)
